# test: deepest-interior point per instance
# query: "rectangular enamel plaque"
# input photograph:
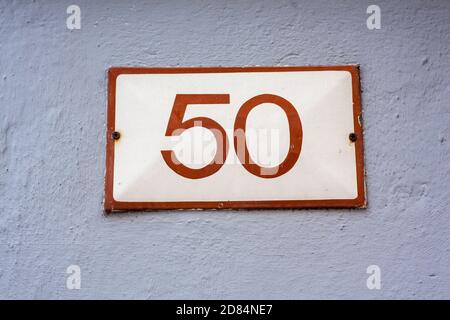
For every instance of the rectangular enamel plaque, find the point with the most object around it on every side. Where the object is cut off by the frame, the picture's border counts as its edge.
(239, 137)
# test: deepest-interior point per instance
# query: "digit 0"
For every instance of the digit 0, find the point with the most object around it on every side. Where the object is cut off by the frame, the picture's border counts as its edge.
(295, 136)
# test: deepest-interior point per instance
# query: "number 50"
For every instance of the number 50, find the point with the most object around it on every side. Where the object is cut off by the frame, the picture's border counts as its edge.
(176, 126)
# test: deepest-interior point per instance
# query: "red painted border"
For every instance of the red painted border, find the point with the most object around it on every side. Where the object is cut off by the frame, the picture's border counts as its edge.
(111, 205)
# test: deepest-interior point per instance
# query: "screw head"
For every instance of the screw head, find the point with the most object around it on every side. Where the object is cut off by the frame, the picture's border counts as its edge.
(352, 136)
(115, 135)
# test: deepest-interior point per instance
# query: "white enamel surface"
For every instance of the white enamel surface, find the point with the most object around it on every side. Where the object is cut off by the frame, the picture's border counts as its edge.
(326, 168)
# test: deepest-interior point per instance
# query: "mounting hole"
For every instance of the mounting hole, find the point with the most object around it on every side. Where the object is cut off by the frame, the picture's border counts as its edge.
(115, 135)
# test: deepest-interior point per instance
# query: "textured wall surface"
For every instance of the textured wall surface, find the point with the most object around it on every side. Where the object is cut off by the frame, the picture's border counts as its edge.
(52, 153)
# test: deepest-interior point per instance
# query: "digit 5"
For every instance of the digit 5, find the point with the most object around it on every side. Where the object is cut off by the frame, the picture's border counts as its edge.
(176, 126)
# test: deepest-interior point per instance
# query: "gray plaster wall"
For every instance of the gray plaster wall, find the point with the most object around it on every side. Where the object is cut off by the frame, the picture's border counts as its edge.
(52, 153)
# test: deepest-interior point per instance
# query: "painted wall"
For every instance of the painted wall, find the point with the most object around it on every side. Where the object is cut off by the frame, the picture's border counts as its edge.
(52, 143)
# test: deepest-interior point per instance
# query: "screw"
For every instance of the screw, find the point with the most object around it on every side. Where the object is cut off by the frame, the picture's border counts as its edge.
(115, 135)
(352, 136)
